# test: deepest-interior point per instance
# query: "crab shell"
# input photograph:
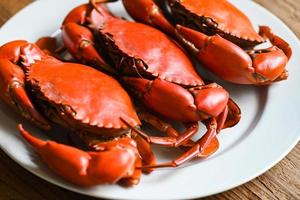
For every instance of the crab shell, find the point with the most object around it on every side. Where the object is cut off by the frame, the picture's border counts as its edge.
(156, 56)
(81, 98)
(217, 16)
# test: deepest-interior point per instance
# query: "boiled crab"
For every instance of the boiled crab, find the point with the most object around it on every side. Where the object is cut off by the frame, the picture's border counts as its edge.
(47, 91)
(155, 69)
(220, 36)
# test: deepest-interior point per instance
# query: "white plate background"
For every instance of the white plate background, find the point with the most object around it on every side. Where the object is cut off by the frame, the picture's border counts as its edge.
(269, 129)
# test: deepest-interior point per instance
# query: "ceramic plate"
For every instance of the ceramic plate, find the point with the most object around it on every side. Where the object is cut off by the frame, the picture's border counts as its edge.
(269, 128)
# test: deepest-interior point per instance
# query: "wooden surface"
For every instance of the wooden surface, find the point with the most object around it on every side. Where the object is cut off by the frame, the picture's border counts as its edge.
(281, 182)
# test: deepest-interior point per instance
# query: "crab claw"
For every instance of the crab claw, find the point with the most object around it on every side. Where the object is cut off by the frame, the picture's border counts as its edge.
(79, 40)
(12, 86)
(177, 103)
(116, 161)
(230, 62)
(80, 43)
(146, 11)
(267, 33)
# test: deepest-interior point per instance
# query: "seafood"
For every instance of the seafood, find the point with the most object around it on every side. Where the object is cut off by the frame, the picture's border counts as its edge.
(83, 100)
(155, 69)
(220, 36)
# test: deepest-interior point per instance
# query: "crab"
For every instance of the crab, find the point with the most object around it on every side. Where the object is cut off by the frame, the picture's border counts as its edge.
(156, 70)
(79, 98)
(220, 36)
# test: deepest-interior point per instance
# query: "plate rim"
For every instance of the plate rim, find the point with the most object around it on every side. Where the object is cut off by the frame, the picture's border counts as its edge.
(245, 180)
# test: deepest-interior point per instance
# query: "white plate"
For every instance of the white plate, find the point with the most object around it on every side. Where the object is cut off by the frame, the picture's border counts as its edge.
(269, 128)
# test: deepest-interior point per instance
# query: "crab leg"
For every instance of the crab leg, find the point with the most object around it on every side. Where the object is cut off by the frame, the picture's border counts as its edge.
(116, 161)
(232, 63)
(145, 151)
(204, 147)
(162, 126)
(228, 118)
(171, 141)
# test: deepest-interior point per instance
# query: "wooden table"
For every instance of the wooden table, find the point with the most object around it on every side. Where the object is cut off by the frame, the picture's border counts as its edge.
(281, 182)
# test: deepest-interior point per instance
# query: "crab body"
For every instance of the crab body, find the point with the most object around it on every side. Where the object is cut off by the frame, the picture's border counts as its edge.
(90, 103)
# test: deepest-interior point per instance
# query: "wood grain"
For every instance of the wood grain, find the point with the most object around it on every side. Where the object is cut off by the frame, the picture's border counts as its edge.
(281, 182)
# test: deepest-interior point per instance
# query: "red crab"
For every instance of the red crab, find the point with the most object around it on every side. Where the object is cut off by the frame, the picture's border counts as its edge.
(220, 36)
(90, 103)
(155, 69)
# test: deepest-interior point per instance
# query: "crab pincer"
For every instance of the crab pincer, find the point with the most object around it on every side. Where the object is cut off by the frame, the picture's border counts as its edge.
(115, 161)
